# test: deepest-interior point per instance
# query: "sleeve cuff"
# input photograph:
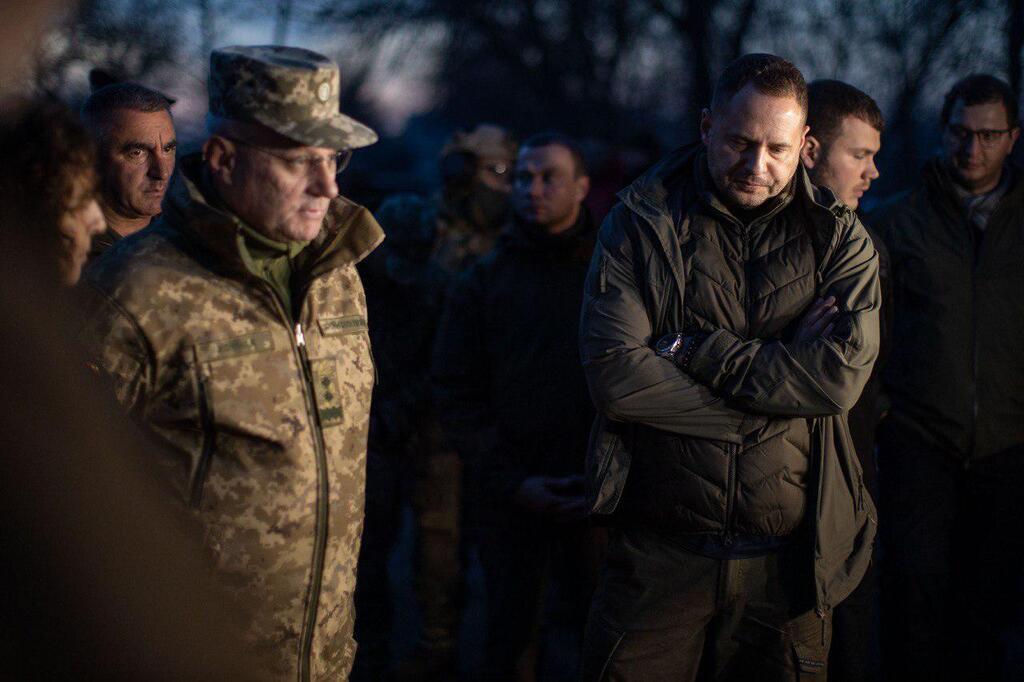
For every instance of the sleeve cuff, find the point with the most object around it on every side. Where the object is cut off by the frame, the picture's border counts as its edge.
(705, 364)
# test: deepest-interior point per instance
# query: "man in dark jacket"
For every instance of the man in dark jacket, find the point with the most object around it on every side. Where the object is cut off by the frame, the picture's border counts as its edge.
(951, 452)
(730, 320)
(513, 399)
(845, 132)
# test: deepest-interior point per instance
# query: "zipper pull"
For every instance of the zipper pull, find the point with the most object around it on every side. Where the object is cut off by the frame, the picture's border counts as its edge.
(300, 340)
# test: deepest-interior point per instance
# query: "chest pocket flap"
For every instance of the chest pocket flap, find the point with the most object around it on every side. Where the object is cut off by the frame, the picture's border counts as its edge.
(249, 385)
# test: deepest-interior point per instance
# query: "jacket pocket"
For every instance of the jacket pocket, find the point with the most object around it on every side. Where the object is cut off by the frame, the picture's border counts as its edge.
(253, 389)
(606, 467)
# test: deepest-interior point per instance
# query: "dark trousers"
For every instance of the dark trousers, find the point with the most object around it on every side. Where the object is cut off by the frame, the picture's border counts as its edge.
(854, 654)
(662, 613)
(953, 555)
(534, 571)
(385, 491)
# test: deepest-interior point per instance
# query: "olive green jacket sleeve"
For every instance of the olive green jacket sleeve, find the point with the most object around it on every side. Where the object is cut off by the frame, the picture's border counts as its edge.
(628, 381)
(821, 376)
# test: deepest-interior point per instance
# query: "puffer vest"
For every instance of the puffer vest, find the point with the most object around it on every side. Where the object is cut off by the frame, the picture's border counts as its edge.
(755, 280)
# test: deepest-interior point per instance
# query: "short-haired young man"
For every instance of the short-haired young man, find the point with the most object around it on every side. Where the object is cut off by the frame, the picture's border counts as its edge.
(729, 321)
(845, 133)
(132, 127)
(951, 451)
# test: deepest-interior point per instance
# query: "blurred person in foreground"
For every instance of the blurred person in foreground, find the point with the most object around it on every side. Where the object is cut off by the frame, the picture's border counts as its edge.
(133, 129)
(729, 322)
(234, 330)
(513, 401)
(845, 133)
(103, 577)
(50, 175)
(951, 451)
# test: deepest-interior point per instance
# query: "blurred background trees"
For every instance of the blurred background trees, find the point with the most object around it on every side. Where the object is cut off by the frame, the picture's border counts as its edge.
(608, 71)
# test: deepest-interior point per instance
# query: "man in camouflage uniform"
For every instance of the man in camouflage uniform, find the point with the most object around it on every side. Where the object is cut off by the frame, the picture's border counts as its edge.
(235, 330)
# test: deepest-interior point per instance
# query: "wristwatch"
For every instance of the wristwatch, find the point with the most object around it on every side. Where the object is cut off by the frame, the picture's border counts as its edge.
(668, 345)
(679, 348)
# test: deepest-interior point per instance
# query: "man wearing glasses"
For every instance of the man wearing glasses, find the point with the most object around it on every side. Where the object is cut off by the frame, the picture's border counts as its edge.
(235, 330)
(951, 451)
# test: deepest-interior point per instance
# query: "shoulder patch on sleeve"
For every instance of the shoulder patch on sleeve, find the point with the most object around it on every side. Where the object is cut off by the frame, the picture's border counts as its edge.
(349, 324)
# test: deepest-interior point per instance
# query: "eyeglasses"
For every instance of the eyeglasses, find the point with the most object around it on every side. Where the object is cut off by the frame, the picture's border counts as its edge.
(335, 163)
(986, 137)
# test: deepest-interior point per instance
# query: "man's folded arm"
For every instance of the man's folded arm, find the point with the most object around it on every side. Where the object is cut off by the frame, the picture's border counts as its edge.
(805, 378)
(628, 381)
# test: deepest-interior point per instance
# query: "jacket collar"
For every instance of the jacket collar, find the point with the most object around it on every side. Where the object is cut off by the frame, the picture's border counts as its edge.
(348, 235)
(940, 184)
(684, 171)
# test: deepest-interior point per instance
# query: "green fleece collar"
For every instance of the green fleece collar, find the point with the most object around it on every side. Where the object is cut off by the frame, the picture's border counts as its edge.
(348, 235)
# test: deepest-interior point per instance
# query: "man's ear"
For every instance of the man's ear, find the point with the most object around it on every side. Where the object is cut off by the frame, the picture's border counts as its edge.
(705, 125)
(810, 153)
(582, 188)
(219, 155)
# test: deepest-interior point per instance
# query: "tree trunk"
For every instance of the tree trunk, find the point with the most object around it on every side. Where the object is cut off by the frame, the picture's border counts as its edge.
(1014, 43)
(284, 19)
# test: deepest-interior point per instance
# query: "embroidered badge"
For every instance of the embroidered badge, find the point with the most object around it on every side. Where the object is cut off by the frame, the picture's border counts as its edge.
(350, 324)
(256, 342)
(325, 387)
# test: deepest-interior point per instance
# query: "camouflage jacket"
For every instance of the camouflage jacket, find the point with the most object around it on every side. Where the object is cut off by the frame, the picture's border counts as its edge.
(264, 422)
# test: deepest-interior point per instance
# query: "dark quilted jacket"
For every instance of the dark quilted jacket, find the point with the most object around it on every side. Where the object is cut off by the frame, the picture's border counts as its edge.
(956, 375)
(755, 435)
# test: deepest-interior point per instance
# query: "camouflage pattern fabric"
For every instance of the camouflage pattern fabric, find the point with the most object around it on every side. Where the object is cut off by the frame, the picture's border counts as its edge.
(265, 425)
(292, 91)
(459, 244)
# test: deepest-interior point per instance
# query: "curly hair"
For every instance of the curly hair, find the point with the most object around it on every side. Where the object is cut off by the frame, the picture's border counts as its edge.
(47, 155)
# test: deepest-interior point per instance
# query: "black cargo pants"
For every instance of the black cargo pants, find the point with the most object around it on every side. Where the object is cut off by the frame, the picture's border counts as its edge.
(662, 613)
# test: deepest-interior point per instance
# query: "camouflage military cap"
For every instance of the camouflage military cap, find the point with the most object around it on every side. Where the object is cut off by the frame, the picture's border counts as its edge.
(292, 91)
(484, 141)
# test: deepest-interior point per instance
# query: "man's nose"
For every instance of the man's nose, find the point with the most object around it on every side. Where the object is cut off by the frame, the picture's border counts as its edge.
(757, 162)
(971, 145)
(536, 190)
(323, 182)
(872, 170)
(161, 166)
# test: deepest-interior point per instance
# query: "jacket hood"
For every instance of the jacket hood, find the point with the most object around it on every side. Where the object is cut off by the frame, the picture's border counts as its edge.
(348, 235)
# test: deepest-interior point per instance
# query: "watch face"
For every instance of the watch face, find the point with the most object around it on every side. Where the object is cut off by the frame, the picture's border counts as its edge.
(668, 344)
